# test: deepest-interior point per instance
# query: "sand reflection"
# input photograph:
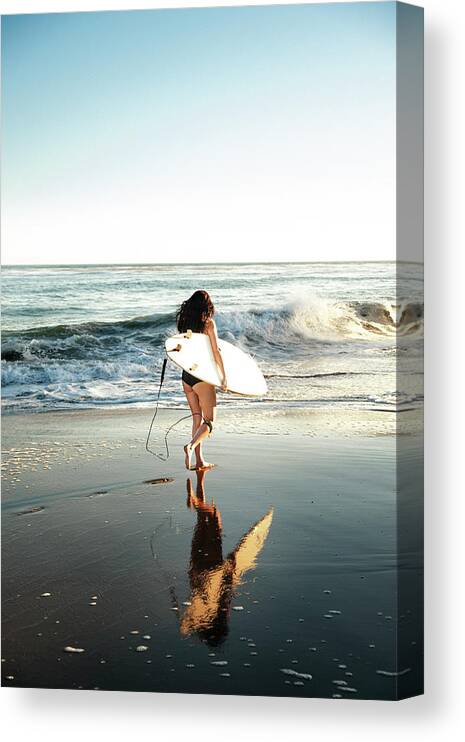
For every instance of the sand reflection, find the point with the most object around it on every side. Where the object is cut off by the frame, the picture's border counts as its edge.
(213, 578)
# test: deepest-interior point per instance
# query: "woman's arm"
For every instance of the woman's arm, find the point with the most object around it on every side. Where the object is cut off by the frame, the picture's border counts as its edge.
(213, 335)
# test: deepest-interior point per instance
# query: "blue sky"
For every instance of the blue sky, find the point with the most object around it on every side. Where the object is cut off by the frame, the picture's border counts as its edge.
(214, 134)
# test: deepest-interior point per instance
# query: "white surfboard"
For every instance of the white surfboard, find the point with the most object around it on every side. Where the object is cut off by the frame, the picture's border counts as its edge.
(192, 351)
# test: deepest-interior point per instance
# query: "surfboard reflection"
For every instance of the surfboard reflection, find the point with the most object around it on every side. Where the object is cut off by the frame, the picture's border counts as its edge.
(213, 578)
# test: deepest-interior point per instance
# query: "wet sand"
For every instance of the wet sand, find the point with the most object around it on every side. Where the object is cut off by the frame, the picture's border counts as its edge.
(285, 586)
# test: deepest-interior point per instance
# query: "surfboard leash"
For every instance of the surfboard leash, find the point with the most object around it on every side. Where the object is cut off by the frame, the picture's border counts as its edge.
(162, 456)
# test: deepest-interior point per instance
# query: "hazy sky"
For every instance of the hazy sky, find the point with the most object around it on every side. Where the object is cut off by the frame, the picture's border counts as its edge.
(259, 133)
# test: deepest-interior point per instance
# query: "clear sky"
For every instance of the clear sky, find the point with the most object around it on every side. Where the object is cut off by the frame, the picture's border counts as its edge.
(218, 134)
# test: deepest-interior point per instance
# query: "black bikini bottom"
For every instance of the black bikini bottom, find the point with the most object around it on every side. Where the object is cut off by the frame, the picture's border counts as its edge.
(189, 379)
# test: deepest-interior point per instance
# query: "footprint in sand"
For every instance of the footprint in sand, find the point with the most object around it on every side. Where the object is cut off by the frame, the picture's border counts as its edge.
(29, 511)
(161, 480)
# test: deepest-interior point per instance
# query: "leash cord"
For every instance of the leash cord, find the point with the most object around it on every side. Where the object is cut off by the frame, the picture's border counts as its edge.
(162, 456)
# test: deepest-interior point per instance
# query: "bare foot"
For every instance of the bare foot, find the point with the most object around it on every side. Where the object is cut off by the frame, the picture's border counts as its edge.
(201, 465)
(188, 452)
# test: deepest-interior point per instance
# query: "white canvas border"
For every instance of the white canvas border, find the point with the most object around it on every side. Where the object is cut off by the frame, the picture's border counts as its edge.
(53, 714)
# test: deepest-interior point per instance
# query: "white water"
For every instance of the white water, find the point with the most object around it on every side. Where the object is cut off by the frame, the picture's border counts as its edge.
(325, 334)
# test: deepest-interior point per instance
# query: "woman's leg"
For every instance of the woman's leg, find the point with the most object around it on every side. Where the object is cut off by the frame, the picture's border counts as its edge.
(196, 412)
(206, 394)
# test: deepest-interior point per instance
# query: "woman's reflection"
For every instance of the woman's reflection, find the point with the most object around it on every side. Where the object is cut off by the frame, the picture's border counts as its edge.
(212, 578)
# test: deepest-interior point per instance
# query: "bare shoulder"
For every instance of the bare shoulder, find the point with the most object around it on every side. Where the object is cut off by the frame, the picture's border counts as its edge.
(210, 325)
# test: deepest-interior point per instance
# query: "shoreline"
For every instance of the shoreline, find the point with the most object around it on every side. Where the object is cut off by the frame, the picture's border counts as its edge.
(314, 421)
(251, 579)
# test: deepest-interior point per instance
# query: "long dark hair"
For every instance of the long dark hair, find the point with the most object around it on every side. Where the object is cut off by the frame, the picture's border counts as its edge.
(194, 313)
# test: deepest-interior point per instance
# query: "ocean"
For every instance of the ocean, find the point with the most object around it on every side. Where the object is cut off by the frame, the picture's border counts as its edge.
(325, 599)
(326, 335)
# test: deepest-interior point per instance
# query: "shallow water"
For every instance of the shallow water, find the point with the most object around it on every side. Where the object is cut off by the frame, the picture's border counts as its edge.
(275, 577)
(326, 334)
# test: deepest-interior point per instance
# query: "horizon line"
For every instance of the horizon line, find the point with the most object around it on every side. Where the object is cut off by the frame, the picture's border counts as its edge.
(248, 262)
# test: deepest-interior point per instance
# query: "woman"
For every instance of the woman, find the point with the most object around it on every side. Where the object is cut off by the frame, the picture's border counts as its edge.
(196, 314)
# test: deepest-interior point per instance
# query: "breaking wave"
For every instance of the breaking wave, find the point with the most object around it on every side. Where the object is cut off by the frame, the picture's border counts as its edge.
(117, 362)
(314, 319)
